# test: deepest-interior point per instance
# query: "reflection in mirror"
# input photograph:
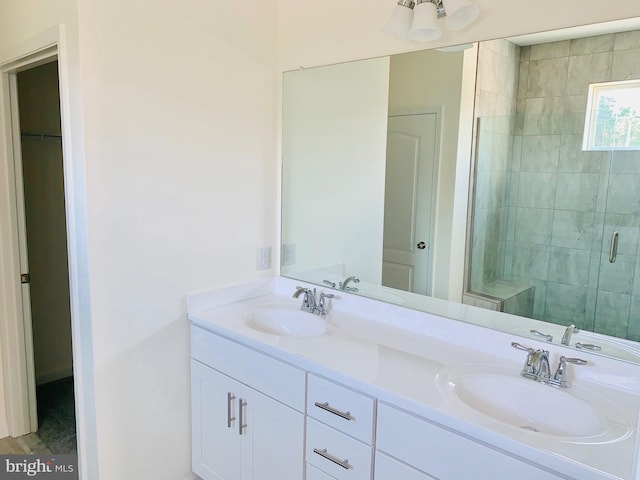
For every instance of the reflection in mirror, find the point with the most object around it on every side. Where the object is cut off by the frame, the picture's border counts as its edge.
(556, 223)
(352, 131)
(545, 214)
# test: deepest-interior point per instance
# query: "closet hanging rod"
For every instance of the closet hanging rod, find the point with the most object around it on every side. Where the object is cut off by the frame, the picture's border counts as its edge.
(41, 136)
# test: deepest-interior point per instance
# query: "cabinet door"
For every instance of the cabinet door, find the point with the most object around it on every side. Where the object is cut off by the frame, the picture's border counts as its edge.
(389, 469)
(273, 439)
(216, 447)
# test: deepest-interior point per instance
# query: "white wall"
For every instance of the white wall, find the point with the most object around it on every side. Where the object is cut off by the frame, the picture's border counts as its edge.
(180, 118)
(334, 146)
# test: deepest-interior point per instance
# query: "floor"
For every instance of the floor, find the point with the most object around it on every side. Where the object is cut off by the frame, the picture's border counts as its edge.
(56, 417)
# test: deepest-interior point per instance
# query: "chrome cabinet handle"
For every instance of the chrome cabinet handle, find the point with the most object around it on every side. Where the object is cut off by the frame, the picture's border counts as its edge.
(323, 453)
(230, 398)
(613, 247)
(421, 245)
(325, 406)
(241, 407)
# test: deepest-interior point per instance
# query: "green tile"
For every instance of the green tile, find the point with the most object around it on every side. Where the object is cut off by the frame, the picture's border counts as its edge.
(533, 225)
(565, 304)
(617, 277)
(576, 191)
(612, 313)
(569, 267)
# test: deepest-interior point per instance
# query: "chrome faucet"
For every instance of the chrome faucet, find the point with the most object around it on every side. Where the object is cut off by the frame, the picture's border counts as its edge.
(309, 301)
(571, 329)
(345, 285)
(536, 367)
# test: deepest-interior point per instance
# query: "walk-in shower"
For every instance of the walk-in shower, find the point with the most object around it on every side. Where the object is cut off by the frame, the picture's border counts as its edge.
(556, 210)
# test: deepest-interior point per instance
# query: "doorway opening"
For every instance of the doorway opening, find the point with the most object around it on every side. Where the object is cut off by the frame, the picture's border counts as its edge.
(40, 199)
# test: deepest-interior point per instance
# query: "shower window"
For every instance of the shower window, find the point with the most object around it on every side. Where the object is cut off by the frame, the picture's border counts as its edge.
(613, 116)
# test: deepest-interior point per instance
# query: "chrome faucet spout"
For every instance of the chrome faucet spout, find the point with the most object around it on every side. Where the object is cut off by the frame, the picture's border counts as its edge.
(566, 338)
(345, 285)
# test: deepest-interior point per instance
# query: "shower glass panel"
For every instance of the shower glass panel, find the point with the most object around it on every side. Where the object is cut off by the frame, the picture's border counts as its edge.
(555, 229)
(615, 302)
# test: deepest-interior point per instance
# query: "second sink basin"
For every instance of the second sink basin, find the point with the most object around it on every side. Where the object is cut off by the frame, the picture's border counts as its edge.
(575, 414)
(285, 320)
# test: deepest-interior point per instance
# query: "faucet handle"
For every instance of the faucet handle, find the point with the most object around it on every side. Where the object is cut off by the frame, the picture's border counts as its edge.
(322, 308)
(330, 283)
(299, 290)
(561, 378)
(519, 346)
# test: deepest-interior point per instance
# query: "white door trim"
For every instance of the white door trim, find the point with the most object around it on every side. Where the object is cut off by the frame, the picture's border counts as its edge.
(32, 52)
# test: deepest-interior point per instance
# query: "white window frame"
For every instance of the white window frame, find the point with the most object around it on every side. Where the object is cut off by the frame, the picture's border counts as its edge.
(592, 109)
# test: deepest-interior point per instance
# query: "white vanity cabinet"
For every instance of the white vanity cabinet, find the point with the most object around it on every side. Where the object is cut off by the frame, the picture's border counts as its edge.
(238, 432)
(441, 453)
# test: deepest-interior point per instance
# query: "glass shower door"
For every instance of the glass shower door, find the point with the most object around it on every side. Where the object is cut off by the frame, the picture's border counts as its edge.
(614, 305)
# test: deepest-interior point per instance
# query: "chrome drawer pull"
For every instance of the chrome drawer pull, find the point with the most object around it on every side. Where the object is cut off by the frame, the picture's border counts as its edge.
(343, 463)
(230, 398)
(241, 407)
(330, 409)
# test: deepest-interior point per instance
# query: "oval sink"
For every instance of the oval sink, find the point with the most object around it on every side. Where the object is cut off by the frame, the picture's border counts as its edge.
(292, 322)
(576, 414)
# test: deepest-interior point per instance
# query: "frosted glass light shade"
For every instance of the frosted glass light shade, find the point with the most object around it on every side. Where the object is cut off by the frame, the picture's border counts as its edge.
(424, 27)
(460, 13)
(400, 21)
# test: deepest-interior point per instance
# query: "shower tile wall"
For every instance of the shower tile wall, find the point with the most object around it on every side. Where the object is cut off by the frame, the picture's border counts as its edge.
(496, 88)
(558, 193)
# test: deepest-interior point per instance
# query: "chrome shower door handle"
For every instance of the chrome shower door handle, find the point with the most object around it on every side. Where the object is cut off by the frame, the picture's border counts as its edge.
(613, 247)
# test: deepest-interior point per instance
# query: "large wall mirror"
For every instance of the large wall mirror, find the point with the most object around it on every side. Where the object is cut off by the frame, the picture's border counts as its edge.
(532, 144)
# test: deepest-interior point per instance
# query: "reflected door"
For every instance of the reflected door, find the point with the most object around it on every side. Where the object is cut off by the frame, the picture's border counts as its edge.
(408, 204)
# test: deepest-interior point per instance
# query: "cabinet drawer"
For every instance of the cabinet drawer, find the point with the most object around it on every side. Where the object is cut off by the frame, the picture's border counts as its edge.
(336, 454)
(342, 408)
(314, 474)
(266, 374)
(444, 454)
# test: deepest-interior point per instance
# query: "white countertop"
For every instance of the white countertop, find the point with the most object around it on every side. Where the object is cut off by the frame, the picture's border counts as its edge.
(402, 357)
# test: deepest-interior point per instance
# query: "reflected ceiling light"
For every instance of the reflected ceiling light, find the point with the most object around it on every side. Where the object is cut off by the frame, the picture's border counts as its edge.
(419, 21)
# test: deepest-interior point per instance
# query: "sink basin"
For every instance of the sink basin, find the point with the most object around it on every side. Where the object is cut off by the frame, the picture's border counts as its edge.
(281, 320)
(576, 414)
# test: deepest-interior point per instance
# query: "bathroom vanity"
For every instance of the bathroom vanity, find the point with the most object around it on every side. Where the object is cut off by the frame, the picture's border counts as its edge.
(377, 391)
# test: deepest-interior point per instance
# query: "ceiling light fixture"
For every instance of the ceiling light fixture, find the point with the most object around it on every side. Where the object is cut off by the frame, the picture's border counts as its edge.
(419, 21)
